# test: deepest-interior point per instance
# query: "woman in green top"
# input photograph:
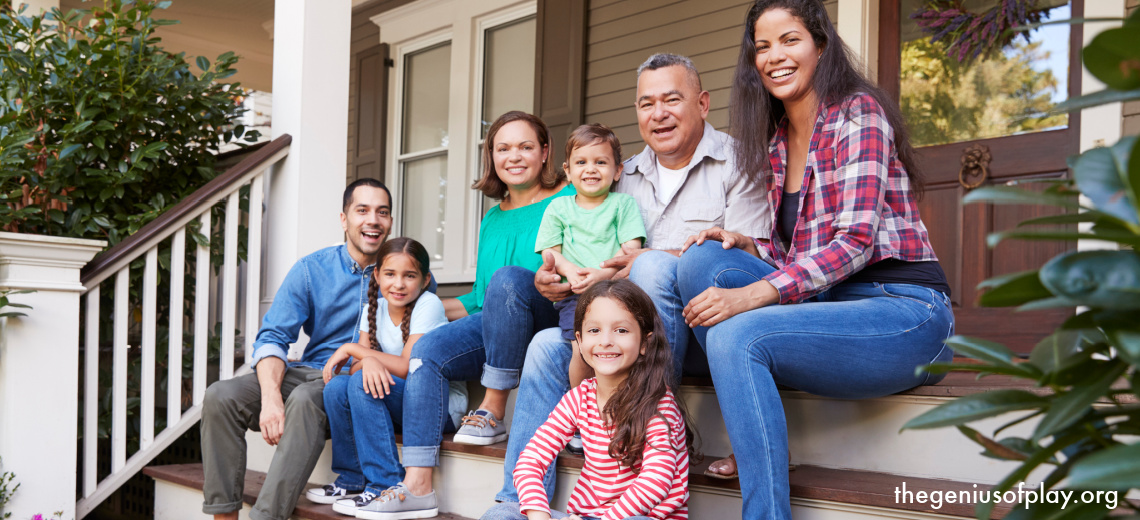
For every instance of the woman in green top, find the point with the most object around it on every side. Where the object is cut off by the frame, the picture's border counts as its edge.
(516, 171)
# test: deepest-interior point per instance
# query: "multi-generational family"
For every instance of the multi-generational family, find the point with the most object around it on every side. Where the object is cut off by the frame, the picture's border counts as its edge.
(791, 253)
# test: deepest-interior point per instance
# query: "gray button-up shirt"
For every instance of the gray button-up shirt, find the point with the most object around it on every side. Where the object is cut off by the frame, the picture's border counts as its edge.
(713, 193)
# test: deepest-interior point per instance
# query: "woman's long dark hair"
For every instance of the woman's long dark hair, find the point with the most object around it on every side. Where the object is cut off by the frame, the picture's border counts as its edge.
(634, 402)
(755, 113)
(395, 246)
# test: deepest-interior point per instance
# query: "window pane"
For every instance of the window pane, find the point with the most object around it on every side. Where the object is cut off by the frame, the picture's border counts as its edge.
(427, 80)
(425, 189)
(1009, 93)
(508, 70)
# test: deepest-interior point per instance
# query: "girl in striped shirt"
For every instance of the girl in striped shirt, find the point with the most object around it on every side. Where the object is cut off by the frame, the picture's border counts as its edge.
(633, 430)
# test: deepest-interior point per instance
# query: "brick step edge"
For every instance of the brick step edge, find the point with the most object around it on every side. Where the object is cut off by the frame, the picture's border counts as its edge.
(190, 475)
(864, 488)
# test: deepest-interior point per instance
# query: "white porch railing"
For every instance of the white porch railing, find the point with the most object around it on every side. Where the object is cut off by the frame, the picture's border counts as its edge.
(116, 263)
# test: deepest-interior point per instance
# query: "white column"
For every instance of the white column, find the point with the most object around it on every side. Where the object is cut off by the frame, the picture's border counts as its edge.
(858, 25)
(39, 369)
(311, 47)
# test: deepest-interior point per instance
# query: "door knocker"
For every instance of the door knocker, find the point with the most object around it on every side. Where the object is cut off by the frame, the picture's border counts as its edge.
(975, 163)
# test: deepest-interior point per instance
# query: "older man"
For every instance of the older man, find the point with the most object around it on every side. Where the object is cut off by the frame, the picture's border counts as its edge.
(684, 182)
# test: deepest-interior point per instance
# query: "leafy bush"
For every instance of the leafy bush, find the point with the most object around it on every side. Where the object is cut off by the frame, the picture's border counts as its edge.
(1089, 416)
(120, 130)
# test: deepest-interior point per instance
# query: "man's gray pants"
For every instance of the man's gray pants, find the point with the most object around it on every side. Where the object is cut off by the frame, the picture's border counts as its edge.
(233, 406)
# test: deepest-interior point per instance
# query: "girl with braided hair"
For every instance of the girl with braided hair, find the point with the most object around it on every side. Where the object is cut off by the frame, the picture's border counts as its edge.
(365, 408)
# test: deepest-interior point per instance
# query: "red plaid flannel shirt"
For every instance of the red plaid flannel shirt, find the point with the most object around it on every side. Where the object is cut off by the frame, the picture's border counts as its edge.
(856, 207)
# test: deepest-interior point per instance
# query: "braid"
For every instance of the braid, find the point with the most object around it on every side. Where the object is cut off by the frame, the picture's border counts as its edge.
(406, 325)
(373, 291)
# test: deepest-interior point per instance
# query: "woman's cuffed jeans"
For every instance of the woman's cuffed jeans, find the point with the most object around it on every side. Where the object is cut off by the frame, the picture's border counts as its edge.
(853, 341)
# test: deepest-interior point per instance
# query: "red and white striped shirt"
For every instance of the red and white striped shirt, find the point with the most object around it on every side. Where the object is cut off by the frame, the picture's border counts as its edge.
(606, 489)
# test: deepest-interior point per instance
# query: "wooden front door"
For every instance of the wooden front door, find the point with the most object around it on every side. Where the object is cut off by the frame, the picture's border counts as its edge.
(997, 107)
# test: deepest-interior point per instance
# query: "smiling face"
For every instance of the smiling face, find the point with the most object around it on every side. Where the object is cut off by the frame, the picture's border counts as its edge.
(517, 155)
(671, 112)
(592, 170)
(610, 340)
(786, 56)
(366, 222)
(400, 280)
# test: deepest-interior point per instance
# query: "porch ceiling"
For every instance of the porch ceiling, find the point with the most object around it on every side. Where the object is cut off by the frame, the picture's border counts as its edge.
(212, 27)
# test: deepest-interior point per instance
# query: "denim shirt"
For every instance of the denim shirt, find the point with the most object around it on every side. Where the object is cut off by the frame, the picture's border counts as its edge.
(323, 295)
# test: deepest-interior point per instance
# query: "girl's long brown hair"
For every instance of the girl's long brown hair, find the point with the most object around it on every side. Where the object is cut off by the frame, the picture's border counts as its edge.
(634, 402)
(399, 245)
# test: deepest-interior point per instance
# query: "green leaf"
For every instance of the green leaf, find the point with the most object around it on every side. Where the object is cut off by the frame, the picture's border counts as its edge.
(203, 63)
(1102, 175)
(1129, 239)
(68, 150)
(983, 510)
(1060, 349)
(1074, 404)
(988, 352)
(1012, 290)
(1014, 195)
(976, 406)
(1113, 56)
(1127, 342)
(1104, 279)
(995, 449)
(102, 221)
(1113, 468)
(1067, 218)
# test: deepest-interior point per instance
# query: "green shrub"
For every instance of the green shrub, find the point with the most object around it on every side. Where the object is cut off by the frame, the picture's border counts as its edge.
(112, 129)
(1089, 417)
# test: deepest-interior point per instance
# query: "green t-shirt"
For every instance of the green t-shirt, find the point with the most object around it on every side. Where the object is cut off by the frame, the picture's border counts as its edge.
(590, 236)
(507, 238)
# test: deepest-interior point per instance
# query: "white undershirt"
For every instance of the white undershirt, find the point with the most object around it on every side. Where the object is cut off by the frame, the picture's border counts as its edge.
(670, 181)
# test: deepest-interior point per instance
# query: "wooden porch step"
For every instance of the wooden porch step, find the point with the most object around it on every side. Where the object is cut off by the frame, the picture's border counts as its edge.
(862, 488)
(865, 488)
(190, 475)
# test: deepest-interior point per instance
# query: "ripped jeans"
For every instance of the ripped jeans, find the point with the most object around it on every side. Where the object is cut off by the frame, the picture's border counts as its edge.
(513, 311)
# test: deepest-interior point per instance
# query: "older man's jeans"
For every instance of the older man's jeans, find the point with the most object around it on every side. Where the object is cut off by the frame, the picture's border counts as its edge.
(853, 341)
(513, 309)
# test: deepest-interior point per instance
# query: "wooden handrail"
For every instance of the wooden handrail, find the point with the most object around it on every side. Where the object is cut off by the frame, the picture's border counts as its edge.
(108, 261)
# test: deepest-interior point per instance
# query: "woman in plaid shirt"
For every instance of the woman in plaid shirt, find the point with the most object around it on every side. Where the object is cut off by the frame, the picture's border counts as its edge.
(848, 297)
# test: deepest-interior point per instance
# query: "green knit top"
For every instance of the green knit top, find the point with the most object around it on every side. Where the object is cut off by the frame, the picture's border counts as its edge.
(507, 238)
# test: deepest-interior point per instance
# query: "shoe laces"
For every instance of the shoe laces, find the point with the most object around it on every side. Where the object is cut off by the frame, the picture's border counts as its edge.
(366, 497)
(478, 421)
(392, 493)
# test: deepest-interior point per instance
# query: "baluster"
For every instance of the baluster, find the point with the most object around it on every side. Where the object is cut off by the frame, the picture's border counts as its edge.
(174, 349)
(149, 322)
(229, 287)
(253, 267)
(119, 371)
(91, 394)
(201, 310)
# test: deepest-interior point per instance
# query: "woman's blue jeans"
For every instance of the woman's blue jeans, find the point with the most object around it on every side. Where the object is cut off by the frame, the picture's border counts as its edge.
(853, 341)
(490, 344)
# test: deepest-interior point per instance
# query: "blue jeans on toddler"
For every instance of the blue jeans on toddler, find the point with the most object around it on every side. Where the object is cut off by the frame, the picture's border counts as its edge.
(364, 432)
(491, 344)
(852, 341)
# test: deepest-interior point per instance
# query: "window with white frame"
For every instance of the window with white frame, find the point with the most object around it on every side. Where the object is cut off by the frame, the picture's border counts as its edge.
(458, 66)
